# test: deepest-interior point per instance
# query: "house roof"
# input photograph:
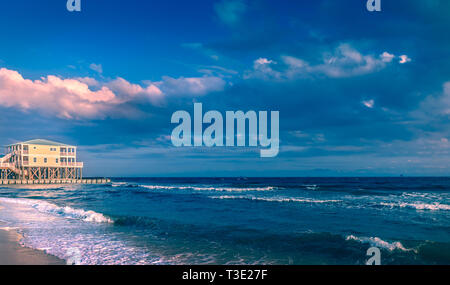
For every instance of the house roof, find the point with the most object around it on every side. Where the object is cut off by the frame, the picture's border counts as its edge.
(42, 142)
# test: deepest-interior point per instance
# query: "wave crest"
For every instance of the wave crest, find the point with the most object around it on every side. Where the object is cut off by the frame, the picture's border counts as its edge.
(66, 212)
(376, 241)
(277, 199)
(196, 188)
(418, 206)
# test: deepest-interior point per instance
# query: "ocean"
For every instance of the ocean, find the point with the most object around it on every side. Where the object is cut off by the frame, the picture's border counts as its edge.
(235, 220)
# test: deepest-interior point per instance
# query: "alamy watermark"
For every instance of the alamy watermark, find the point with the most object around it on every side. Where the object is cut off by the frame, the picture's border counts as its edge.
(74, 5)
(374, 5)
(375, 256)
(213, 135)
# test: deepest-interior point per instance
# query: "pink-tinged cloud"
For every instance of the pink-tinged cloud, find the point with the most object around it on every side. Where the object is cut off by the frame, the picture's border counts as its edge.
(65, 98)
(129, 90)
(87, 98)
(404, 59)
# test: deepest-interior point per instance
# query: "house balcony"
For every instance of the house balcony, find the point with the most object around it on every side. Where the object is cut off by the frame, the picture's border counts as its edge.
(72, 164)
(6, 165)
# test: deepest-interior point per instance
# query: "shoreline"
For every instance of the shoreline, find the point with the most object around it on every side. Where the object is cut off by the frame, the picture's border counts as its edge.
(12, 253)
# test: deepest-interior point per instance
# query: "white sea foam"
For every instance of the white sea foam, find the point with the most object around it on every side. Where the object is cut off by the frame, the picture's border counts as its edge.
(277, 199)
(197, 188)
(376, 241)
(311, 186)
(91, 248)
(118, 184)
(418, 205)
(8, 228)
(52, 209)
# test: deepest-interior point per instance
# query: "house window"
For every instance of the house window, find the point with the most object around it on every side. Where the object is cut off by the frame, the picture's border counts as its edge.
(34, 159)
(56, 160)
(45, 160)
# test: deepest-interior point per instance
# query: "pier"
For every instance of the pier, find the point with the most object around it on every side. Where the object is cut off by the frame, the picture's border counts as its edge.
(55, 181)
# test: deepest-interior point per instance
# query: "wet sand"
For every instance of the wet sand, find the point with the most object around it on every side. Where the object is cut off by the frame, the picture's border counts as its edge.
(11, 253)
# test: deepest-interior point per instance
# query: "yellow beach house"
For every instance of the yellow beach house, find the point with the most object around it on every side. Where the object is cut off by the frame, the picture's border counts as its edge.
(40, 159)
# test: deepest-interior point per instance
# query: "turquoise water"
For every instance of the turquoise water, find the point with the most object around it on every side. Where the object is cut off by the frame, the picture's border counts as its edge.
(235, 220)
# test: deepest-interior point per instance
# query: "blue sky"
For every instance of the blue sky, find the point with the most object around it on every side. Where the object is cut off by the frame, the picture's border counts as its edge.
(359, 93)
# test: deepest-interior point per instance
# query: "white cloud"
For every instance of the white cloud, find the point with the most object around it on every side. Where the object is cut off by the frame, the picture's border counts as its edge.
(190, 86)
(262, 69)
(435, 105)
(294, 62)
(387, 57)
(444, 100)
(347, 62)
(404, 59)
(344, 61)
(369, 103)
(96, 67)
(262, 61)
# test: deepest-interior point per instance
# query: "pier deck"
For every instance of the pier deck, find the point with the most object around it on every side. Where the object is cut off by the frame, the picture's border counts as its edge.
(55, 181)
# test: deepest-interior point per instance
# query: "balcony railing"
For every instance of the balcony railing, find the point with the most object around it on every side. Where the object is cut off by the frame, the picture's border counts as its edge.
(72, 164)
(67, 153)
(6, 164)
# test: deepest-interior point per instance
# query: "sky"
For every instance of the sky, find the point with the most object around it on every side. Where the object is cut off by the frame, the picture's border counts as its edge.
(359, 93)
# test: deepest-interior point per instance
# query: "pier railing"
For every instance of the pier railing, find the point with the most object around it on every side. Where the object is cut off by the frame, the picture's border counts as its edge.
(56, 181)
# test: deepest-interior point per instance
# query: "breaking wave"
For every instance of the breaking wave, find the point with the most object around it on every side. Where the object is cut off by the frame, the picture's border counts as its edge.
(193, 187)
(196, 188)
(119, 184)
(276, 199)
(418, 206)
(66, 212)
(376, 241)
